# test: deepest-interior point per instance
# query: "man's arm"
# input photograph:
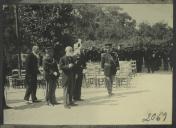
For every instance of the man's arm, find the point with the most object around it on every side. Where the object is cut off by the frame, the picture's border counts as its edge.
(117, 61)
(62, 65)
(28, 64)
(46, 65)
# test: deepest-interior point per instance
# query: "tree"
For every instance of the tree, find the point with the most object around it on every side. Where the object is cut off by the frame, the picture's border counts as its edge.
(45, 25)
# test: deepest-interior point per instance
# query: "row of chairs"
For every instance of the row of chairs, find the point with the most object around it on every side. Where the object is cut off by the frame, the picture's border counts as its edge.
(93, 77)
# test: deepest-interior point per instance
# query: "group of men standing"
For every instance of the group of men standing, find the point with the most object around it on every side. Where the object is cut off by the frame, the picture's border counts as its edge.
(71, 64)
(150, 57)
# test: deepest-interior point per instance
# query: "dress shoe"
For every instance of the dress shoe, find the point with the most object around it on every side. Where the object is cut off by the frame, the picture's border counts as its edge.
(26, 100)
(111, 94)
(49, 103)
(36, 101)
(7, 107)
(67, 106)
(56, 103)
(80, 100)
(73, 104)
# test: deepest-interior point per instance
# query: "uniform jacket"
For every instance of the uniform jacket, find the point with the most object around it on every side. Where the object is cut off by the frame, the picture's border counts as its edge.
(109, 62)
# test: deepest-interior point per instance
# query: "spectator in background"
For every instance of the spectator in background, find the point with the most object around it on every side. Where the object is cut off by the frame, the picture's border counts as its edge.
(148, 59)
(172, 56)
(138, 55)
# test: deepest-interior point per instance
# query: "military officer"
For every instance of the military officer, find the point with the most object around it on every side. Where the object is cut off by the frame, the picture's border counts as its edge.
(109, 64)
(148, 59)
(51, 73)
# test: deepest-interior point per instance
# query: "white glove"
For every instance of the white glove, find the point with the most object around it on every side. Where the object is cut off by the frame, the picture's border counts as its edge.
(55, 73)
(84, 70)
(70, 65)
(76, 76)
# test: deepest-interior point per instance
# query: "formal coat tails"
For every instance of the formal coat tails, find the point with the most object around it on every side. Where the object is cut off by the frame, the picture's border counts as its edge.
(80, 64)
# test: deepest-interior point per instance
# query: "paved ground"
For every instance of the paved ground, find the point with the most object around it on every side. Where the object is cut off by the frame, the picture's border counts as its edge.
(148, 93)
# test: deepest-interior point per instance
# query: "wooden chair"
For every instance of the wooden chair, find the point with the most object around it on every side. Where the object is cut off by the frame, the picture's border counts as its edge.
(133, 67)
(124, 74)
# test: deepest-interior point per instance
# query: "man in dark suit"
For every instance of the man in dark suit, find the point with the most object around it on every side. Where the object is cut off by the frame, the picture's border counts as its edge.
(4, 80)
(80, 65)
(172, 57)
(31, 74)
(67, 65)
(110, 64)
(138, 55)
(148, 59)
(51, 73)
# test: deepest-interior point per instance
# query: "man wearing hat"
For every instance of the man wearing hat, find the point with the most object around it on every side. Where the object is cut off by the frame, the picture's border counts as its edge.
(109, 64)
(67, 65)
(51, 73)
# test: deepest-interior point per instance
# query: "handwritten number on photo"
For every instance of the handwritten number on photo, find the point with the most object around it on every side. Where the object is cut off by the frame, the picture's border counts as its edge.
(155, 117)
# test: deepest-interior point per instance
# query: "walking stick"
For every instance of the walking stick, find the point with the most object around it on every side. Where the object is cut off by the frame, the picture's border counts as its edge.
(84, 79)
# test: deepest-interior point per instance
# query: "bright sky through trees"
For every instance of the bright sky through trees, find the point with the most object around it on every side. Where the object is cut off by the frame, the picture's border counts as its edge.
(149, 13)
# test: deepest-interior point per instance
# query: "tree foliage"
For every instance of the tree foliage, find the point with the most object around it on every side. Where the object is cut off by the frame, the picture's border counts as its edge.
(46, 25)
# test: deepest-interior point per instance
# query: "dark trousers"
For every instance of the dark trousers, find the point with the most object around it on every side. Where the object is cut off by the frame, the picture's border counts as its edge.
(150, 66)
(50, 91)
(68, 90)
(109, 82)
(31, 90)
(166, 65)
(4, 100)
(139, 66)
(77, 86)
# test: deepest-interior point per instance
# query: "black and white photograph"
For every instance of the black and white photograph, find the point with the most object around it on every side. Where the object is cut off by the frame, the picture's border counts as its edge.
(88, 64)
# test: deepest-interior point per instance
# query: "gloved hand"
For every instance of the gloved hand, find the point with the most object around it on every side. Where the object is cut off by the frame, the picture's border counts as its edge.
(55, 73)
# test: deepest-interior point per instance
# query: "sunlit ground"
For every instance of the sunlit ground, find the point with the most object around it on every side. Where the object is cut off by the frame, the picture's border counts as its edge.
(147, 93)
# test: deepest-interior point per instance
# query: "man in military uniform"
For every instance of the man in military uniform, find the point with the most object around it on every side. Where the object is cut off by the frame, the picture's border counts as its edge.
(110, 64)
(165, 57)
(148, 59)
(138, 55)
(67, 65)
(51, 73)
(153, 61)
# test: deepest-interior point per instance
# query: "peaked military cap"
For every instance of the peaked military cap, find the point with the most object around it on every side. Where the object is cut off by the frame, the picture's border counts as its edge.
(49, 48)
(108, 44)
